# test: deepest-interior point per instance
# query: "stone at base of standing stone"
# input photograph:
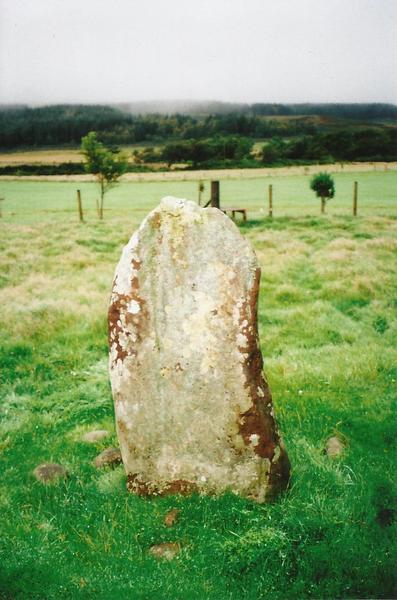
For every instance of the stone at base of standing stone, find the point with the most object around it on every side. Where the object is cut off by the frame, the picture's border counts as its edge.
(50, 472)
(92, 437)
(108, 458)
(334, 447)
(166, 550)
(193, 409)
(171, 517)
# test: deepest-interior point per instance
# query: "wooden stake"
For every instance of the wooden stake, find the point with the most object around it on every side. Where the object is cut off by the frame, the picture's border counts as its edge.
(80, 206)
(355, 196)
(270, 200)
(200, 191)
(215, 196)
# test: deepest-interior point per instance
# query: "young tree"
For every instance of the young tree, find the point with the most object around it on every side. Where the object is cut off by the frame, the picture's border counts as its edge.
(274, 150)
(105, 164)
(323, 185)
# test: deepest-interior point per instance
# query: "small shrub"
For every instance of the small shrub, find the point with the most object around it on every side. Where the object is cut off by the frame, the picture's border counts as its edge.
(324, 186)
(380, 324)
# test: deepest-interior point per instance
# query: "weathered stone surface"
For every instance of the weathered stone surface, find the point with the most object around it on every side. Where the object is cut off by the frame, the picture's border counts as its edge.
(108, 458)
(334, 447)
(50, 472)
(166, 550)
(193, 409)
(92, 437)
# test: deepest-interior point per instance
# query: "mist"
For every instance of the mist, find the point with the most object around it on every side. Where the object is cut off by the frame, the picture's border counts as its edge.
(52, 51)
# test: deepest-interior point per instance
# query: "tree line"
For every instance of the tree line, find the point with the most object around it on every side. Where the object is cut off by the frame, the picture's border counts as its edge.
(364, 144)
(212, 152)
(67, 124)
(58, 125)
(361, 111)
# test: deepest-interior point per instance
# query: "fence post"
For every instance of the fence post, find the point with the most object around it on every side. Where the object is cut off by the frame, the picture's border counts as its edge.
(270, 200)
(355, 196)
(215, 202)
(200, 191)
(79, 206)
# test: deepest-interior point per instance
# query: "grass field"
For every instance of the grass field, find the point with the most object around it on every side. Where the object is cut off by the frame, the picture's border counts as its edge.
(328, 328)
(49, 156)
(29, 201)
(52, 156)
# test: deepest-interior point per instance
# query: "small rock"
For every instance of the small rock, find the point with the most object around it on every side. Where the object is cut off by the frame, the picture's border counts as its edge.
(95, 436)
(108, 458)
(50, 472)
(334, 447)
(171, 517)
(385, 517)
(166, 550)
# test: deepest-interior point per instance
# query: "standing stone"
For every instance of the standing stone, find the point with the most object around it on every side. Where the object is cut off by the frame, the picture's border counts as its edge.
(193, 409)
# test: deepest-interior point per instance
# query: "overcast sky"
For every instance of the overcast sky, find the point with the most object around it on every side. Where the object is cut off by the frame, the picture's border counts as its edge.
(234, 50)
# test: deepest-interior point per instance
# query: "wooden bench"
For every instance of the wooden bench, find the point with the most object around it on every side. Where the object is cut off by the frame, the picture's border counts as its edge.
(233, 210)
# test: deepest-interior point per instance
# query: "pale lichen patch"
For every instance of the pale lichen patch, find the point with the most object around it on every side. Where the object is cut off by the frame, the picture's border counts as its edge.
(133, 307)
(242, 341)
(125, 270)
(254, 439)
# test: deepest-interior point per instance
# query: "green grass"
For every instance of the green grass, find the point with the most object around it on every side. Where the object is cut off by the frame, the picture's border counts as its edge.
(327, 318)
(26, 201)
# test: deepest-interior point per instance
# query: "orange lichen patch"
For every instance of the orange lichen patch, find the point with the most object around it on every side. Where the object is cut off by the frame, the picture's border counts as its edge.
(136, 265)
(120, 317)
(118, 306)
(257, 426)
(155, 220)
(141, 488)
(121, 426)
(179, 486)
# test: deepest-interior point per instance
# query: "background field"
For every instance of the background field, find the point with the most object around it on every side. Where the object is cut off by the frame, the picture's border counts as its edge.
(42, 156)
(328, 328)
(51, 156)
(27, 201)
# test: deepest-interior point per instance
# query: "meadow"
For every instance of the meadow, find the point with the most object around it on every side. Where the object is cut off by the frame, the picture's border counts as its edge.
(54, 198)
(327, 319)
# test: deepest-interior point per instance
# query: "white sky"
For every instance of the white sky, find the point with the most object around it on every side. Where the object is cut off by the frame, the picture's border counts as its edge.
(233, 50)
